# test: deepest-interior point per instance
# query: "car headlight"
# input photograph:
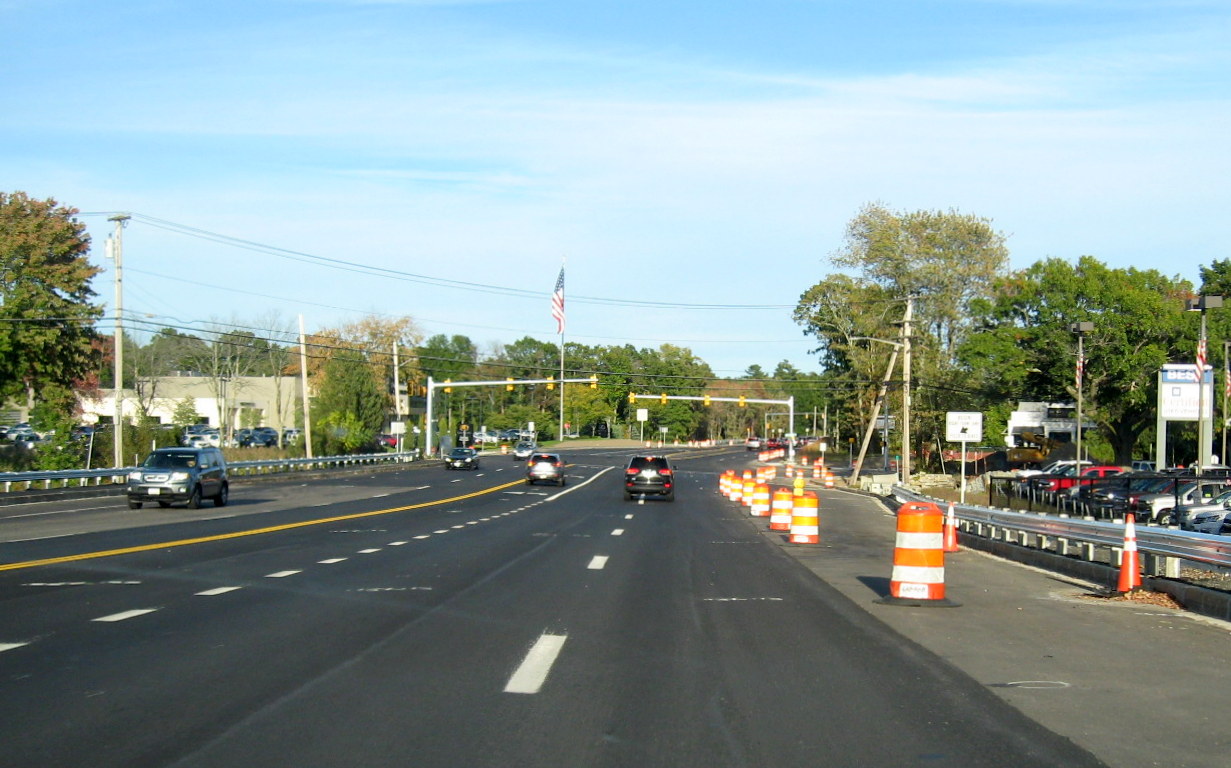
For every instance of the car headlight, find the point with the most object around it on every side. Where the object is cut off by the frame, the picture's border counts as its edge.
(179, 477)
(134, 477)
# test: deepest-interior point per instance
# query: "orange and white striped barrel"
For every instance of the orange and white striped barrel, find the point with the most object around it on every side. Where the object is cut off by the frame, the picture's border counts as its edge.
(750, 487)
(760, 501)
(919, 555)
(771, 473)
(762, 474)
(724, 482)
(829, 479)
(805, 519)
(780, 510)
(736, 488)
(816, 472)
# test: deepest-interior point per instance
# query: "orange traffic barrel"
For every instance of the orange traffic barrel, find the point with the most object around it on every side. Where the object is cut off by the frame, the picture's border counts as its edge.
(780, 510)
(724, 482)
(750, 487)
(737, 488)
(829, 479)
(805, 519)
(919, 557)
(760, 501)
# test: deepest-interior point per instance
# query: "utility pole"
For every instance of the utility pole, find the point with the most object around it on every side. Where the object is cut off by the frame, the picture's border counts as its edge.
(303, 388)
(116, 251)
(910, 307)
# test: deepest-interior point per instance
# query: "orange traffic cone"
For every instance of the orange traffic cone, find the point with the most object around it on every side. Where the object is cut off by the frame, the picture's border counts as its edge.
(918, 558)
(1130, 568)
(829, 479)
(951, 531)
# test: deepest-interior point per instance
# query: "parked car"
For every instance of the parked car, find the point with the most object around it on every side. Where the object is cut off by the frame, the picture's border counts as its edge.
(649, 476)
(170, 475)
(1060, 482)
(462, 458)
(486, 438)
(1159, 507)
(387, 441)
(1205, 518)
(522, 450)
(544, 466)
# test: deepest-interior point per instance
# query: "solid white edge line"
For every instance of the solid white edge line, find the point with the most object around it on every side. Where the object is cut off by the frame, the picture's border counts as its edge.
(532, 672)
(126, 615)
(583, 484)
(10, 646)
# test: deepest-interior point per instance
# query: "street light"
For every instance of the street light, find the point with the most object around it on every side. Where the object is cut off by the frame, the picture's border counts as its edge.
(1081, 329)
(1201, 304)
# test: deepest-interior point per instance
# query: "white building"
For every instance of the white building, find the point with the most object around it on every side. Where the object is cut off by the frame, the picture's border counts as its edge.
(244, 401)
(1054, 421)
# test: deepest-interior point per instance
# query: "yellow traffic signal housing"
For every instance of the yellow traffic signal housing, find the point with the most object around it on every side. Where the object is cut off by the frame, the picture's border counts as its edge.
(509, 386)
(663, 399)
(707, 400)
(551, 382)
(593, 382)
(447, 387)
(742, 403)
(632, 397)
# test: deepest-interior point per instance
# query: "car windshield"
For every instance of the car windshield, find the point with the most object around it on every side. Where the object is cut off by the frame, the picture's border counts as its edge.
(649, 463)
(461, 453)
(170, 460)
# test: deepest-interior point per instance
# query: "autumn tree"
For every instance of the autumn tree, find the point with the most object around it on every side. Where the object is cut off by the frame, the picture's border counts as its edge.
(45, 297)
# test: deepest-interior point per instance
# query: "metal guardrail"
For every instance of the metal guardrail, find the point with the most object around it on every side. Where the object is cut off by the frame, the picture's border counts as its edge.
(63, 478)
(1163, 548)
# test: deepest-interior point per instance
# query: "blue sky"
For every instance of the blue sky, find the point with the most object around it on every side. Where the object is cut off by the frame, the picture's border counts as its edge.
(681, 153)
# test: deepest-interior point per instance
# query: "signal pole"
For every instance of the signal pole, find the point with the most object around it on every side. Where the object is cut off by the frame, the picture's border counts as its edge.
(115, 249)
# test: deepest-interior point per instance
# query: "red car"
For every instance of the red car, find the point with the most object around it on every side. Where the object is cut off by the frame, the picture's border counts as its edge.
(1088, 474)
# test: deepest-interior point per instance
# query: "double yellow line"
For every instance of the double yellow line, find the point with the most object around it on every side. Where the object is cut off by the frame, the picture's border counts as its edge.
(240, 534)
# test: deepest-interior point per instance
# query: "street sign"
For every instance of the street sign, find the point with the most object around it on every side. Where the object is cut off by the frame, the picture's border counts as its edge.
(964, 426)
(643, 414)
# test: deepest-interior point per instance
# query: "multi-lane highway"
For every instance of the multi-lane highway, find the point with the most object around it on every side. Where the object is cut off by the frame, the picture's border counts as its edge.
(431, 618)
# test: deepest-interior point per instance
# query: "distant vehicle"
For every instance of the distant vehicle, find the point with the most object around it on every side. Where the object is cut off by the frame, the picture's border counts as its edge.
(649, 476)
(388, 441)
(1205, 517)
(486, 438)
(753, 444)
(523, 450)
(1060, 482)
(170, 475)
(544, 466)
(291, 435)
(1141, 465)
(1159, 507)
(510, 434)
(462, 458)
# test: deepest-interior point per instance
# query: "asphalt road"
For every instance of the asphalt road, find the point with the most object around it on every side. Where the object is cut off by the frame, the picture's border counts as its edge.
(432, 618)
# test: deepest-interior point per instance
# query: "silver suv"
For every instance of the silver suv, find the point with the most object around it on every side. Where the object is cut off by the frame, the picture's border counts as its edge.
(171, 475)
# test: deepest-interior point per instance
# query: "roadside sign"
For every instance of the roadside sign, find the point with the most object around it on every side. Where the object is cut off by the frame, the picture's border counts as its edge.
(643, 414)
(964, 426)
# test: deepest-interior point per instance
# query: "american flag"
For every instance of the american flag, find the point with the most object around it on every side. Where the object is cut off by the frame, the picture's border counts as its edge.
(1202, 362)
(1081, 367)
(557, 302)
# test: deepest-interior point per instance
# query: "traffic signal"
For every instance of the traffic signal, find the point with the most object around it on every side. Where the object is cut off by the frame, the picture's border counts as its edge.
(593, 382)
(509, 387)
(551, 382)
(632, 397)
(707, 400)
(742, 402)
(663, 399)
(447, 387)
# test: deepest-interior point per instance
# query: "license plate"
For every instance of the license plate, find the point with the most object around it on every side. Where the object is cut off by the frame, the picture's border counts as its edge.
(155, 491)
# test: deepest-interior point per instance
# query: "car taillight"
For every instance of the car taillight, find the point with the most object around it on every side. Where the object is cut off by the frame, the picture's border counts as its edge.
(632, 471)
(665, 472)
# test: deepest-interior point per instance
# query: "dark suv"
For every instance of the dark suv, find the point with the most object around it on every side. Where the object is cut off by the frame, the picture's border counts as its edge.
(647, 475)
(171, 475)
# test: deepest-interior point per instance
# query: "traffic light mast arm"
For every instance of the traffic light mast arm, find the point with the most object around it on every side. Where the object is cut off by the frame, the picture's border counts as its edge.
(433, 385)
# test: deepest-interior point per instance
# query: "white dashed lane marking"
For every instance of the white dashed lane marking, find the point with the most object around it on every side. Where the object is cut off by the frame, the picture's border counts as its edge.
(369, 551)
(618, 532)
(533, 671)
(218, 591)
(281, 574)
(331, 560)
(10, 646)
(597, 562)
(125, 615)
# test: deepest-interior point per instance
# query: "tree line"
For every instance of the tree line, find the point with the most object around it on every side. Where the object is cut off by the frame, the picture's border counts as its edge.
(983, 336)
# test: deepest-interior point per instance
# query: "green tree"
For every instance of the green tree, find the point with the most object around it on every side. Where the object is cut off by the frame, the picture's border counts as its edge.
(1024, 348)
(350, 404)
(47, 326)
